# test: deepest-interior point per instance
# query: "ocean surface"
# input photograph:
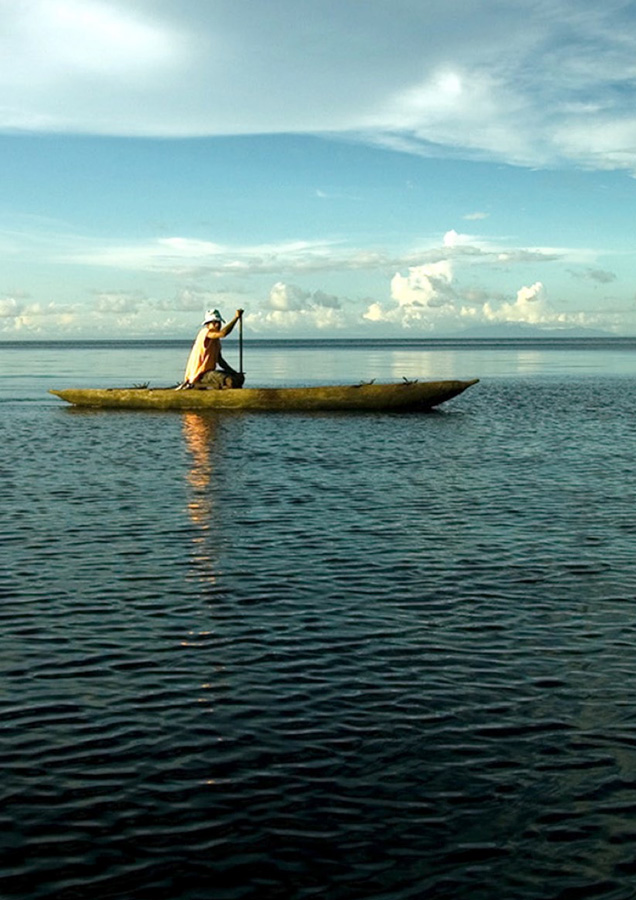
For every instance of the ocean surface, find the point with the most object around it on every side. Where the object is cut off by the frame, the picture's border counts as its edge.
(248, 656)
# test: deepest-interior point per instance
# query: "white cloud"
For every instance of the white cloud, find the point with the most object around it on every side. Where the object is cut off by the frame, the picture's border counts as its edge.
(468, 77)
(193, 258)
(437, 286)
(427, 299)
(286, 297)
(66, 63)
(427, 286)
(327, 301)
(599, 276)
(10, 307)
(198, 300)
(424, 298)
(290, 307)
(453, 239)
(21, 317)
(479, 102)
(295, 322)
(530, 307)
(190, 256)
(118, 302)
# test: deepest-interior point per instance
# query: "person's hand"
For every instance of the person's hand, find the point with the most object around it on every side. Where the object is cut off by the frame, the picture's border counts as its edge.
(239, 313)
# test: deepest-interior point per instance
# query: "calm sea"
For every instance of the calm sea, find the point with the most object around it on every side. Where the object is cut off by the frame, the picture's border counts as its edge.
(253, 656)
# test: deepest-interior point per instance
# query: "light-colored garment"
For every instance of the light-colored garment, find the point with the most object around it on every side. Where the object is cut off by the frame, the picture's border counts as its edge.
(204, 355)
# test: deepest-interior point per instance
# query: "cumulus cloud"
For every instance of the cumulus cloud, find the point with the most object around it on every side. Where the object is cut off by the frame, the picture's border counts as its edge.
(292, 308)
(287, 297)
(426, 286)
(507, 83)
(185, 309)
(21, 316)
(191, 299)
(421, 298)
(10, 307)
(296, 322)
(530, 307)
(427, 299)
(118, 302)
(327, 301)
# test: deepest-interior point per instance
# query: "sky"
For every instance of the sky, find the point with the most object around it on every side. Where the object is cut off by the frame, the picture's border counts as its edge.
(336, 168)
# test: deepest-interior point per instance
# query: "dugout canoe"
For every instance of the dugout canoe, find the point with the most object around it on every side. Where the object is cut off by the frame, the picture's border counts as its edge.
(405, 395)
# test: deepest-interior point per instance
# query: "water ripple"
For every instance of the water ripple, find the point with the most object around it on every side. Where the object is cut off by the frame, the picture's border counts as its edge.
(281, 657)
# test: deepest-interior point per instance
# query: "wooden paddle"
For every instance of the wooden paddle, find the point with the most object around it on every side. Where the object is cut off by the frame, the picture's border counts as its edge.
(241, 372)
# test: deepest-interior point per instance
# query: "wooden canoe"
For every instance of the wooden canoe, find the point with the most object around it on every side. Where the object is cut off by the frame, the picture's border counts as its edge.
(405, 395)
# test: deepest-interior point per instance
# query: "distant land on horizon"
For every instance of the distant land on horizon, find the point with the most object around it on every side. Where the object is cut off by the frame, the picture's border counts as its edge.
(505, 331)
(516, 331)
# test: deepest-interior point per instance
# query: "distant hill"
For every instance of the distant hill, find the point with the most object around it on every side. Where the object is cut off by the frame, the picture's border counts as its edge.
(520, 330)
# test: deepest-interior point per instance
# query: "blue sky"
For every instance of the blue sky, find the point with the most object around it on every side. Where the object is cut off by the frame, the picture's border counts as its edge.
(336, 167)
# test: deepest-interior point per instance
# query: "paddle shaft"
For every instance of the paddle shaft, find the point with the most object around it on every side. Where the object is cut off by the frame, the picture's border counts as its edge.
(241, 345)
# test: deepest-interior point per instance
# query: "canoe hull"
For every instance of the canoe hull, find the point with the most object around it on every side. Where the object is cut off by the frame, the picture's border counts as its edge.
(408, 395)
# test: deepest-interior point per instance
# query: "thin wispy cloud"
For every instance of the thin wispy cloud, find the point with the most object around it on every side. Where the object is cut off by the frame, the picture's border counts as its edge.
(179, 255)
(411, 166)
(529, 84)
(600, 276)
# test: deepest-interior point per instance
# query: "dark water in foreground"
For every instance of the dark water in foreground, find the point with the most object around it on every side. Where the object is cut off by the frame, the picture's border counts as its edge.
(289, 656)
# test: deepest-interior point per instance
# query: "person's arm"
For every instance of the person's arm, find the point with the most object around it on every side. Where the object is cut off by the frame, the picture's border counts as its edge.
(225, 366)
(230, 325)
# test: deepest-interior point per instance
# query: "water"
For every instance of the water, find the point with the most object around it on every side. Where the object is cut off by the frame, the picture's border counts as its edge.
(297, 655)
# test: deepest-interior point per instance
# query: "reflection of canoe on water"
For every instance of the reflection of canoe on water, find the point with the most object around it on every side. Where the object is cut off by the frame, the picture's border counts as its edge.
(406, 395)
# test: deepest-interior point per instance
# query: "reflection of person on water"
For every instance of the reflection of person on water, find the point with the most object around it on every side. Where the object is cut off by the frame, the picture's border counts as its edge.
(205, 355)
(200, 433)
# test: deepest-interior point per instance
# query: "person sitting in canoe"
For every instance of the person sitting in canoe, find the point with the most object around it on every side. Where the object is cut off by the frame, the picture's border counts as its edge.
(205, 355)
